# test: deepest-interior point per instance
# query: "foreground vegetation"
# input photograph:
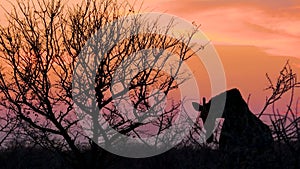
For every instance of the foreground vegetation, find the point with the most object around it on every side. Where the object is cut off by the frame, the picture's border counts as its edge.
(179, 158)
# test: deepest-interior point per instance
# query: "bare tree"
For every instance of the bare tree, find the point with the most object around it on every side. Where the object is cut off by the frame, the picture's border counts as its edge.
(285, 124)
(39, 52)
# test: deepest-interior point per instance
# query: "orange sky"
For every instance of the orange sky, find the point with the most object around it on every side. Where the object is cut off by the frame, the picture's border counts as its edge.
(273, 26)
(252, 37)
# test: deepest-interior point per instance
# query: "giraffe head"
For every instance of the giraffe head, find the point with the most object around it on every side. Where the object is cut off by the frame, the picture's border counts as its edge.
(204, 109)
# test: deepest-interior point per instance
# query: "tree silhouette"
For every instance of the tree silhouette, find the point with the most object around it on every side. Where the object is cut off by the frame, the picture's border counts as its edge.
(39, 52)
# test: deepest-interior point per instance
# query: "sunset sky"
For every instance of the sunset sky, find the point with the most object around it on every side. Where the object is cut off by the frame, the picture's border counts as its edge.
(252, 37)
(272, 26)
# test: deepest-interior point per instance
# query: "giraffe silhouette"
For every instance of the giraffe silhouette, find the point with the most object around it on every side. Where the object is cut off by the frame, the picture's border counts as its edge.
(243, 135)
